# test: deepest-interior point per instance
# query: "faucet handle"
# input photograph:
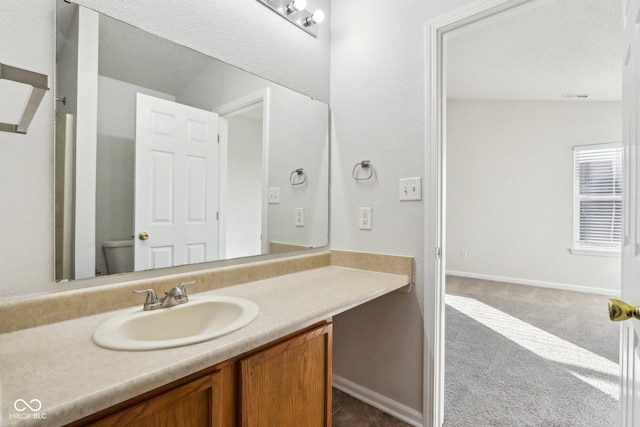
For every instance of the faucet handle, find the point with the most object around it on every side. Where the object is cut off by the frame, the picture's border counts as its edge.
(183, 284)
(152, 298)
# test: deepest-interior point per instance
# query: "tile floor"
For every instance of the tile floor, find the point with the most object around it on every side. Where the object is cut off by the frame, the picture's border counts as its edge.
(350, 412)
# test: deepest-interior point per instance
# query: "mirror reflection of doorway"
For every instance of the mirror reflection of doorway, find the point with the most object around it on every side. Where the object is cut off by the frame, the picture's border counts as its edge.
(244, 183)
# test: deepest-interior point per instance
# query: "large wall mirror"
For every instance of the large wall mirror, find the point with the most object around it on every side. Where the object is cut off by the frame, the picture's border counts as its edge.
(166, 157)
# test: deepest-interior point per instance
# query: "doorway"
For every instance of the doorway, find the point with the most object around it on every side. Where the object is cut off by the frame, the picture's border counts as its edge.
(244, 175)
(472, 114)
(244, 183)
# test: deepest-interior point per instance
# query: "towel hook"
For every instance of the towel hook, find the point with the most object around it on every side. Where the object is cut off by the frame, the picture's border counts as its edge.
(298, 172)
(365, 164)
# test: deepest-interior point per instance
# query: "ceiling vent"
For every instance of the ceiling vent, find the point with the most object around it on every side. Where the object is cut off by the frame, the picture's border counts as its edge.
(575, 95)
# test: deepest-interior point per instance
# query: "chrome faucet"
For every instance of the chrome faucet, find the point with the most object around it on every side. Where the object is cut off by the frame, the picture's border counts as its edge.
(175, 296)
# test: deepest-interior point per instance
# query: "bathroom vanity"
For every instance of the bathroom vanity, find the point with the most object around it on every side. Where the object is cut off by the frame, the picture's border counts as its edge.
(282, 357)
(284, 383)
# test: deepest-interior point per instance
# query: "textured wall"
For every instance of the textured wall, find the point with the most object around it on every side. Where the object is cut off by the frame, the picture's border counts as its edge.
(26, 162)
(243, 33)
(377, 104)
(510, 189)
(378, 57)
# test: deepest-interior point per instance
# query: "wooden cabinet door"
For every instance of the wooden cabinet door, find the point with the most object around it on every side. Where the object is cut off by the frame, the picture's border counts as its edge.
(195, 404)
(289, 384)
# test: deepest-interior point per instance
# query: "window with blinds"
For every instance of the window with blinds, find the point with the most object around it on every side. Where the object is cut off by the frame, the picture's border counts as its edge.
(598, 197)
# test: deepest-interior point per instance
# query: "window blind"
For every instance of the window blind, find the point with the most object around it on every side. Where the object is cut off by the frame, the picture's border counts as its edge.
(598, 196)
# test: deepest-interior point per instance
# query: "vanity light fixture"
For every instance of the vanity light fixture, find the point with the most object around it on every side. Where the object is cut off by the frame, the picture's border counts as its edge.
(295, 12)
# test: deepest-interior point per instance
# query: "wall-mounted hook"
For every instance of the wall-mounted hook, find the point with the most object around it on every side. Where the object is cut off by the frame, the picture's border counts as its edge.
(365, 164)
(63, 100)
(294, 178)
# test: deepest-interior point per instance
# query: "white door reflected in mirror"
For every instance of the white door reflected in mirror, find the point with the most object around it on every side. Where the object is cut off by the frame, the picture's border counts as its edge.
(177, 185)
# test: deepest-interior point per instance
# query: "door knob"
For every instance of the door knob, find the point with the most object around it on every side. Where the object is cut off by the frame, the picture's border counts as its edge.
(143, 235)
(620, 310)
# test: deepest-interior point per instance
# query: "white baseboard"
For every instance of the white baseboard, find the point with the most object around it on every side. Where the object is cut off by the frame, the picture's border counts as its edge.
(540, 283)
(391, 407)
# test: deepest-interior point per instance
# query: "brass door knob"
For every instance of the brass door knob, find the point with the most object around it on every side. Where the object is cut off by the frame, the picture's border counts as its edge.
(143, 235)
(620, 310)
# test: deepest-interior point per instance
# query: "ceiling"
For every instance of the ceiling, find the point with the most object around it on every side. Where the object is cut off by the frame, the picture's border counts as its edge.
(539, 51)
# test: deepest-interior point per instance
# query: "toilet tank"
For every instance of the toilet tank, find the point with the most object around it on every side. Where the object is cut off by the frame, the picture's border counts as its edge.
(119, 255)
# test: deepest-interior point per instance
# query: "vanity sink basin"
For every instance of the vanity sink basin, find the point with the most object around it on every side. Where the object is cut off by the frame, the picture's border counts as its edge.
(200, 319)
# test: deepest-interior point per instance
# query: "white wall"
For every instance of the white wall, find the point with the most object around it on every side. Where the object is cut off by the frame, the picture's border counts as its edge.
(26, 161)
(239, 32)
(510, 190)
(378, 57)
(299, 139)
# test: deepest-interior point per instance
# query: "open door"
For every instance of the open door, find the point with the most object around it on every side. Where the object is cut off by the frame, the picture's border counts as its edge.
(630, 291)
(177, 184)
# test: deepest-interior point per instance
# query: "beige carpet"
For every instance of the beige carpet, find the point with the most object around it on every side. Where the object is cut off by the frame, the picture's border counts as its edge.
(526, 356)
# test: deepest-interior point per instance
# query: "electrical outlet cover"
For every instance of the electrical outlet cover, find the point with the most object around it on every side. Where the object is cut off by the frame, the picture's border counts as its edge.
(364, 220)
(299, 218)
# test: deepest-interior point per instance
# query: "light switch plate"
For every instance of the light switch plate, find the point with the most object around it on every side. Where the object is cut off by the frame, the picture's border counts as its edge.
(410, 189)
(274, 195)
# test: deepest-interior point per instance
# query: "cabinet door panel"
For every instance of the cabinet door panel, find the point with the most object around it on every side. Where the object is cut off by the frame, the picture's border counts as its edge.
(190, 405)
(289, 384)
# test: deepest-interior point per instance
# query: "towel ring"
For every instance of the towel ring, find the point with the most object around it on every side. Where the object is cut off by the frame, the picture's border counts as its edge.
(298, 172)
(365, 164)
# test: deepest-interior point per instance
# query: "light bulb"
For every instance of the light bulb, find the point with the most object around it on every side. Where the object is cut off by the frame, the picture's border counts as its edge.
(296, 6)
(316, 18)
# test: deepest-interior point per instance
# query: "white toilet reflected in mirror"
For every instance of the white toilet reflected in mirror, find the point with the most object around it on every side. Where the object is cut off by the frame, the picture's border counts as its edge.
(119, 255)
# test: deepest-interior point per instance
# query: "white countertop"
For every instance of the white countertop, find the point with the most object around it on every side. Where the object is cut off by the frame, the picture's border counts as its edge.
(71, 377)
